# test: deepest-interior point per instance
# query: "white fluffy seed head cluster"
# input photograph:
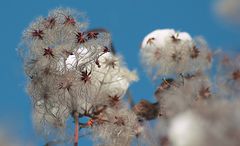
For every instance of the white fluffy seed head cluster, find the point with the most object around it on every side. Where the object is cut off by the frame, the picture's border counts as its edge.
(166, 51)
(198, 116)
(70, 68)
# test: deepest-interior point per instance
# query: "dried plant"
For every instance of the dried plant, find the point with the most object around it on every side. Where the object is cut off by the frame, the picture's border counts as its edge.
(75, 74)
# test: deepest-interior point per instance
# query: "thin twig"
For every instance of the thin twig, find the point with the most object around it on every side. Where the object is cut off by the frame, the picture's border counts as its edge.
(75, 116)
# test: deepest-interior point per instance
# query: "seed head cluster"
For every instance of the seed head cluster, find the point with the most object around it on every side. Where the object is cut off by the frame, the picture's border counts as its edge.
(72, 70)
(165, 52)
(74, 74)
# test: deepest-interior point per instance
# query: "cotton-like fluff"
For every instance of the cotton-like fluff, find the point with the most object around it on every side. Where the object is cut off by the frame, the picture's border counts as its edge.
(187, 129)
(165, 51)
(70, 70)
(51, 40)
(157, 133)
(184, 94)
(207, 125)
(228, 75)
(107, 79)
(115, 78)
(120, 127)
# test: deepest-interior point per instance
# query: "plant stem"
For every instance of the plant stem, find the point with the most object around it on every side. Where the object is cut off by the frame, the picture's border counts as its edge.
(76, 130)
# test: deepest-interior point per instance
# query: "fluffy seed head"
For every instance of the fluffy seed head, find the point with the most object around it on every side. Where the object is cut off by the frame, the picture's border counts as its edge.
(165, 51)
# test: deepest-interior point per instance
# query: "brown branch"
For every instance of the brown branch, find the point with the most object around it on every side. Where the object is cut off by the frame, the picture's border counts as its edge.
(75, 116)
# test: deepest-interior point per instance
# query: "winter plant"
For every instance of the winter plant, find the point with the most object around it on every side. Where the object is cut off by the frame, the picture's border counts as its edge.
(76, 78)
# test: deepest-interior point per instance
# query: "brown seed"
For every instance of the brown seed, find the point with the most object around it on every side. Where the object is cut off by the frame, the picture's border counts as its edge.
(150, 41)
(194, 52)
(48, 52)
(175, 39)
(38, 34)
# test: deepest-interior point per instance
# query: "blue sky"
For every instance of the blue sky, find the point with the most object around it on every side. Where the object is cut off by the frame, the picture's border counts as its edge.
(127, 20)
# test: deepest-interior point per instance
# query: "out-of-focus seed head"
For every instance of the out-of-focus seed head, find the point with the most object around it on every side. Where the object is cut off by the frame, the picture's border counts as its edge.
(184, 95)
(228, 75)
